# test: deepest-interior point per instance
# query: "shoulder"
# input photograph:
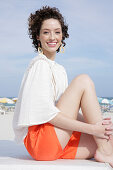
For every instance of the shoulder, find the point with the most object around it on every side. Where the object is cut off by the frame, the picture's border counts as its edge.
(38, 63)
(38, 70)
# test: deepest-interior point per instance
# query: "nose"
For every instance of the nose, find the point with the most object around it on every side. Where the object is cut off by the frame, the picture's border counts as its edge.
(52, 36)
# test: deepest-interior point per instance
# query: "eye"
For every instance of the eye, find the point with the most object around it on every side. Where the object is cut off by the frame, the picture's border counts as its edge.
(45, 32)
(58, 32)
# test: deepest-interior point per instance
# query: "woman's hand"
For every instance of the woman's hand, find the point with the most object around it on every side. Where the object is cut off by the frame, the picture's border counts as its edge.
(109, 130)
(103, 129)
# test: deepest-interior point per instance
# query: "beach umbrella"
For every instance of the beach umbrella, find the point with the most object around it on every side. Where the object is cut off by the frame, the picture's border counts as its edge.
(111, 102)
(15, 99)
(100, 99)
(6, 100)
(3, 100)
(9, 101)
(106, 101)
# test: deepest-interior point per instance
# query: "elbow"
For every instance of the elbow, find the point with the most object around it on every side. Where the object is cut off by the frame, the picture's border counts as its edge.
(54, 120)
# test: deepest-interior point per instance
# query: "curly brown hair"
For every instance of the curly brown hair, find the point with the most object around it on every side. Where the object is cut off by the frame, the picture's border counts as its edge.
(36, 20)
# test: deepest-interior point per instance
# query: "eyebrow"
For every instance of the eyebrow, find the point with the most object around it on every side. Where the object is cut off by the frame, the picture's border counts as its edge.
(49, 29)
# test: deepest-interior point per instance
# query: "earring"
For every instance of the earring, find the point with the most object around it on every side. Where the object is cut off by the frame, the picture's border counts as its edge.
(62, 49)
(40, 50)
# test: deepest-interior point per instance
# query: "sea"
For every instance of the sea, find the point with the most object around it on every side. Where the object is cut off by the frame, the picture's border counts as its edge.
(6, 104)
(109, 98)
(105, 107)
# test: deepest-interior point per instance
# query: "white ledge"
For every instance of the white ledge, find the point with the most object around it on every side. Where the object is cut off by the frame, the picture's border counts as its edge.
(15, 157)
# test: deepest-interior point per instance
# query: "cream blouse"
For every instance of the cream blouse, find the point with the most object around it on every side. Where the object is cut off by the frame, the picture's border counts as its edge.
(43, 83)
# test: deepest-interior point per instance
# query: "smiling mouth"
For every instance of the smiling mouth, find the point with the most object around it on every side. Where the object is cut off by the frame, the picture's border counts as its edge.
(51, 44)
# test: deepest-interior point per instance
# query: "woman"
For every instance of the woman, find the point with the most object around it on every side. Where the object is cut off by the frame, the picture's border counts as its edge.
(46, 115)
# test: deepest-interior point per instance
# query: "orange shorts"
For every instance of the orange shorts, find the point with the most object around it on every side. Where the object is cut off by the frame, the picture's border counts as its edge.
(42, 143)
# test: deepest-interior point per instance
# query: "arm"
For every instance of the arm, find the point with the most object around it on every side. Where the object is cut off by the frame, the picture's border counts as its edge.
(64, 122)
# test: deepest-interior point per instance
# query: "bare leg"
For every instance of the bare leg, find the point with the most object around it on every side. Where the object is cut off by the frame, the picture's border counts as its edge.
(92, 114)
(86, 98)
(87, 145)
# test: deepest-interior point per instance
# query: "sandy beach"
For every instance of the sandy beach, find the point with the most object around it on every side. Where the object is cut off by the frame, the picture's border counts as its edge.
(6, 130)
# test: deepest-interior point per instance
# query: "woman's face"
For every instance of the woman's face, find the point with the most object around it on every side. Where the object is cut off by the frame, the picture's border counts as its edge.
(50, 36)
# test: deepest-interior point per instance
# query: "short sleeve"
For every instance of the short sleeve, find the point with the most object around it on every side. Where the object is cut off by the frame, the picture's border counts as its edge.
(35, 104)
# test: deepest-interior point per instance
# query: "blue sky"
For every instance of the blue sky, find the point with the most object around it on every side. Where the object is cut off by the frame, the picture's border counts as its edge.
(89, 48)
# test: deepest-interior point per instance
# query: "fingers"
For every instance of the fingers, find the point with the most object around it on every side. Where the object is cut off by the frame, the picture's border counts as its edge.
(106, 122)
(106, 137)
(107, 118)
(109, 133)
(110, 137)
(109, 128)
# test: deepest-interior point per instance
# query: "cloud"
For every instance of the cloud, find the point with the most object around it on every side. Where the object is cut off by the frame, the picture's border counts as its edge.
(12, 67)
(85, 63)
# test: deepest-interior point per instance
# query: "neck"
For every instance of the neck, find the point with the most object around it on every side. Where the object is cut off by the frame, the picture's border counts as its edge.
(49, 55)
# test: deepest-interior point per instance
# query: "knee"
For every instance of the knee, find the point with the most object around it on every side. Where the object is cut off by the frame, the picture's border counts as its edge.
(84, 80)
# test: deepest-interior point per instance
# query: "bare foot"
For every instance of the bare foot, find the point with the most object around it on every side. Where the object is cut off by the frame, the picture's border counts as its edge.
(100, 157)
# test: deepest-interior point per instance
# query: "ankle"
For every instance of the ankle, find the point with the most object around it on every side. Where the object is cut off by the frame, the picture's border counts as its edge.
(106, 149)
